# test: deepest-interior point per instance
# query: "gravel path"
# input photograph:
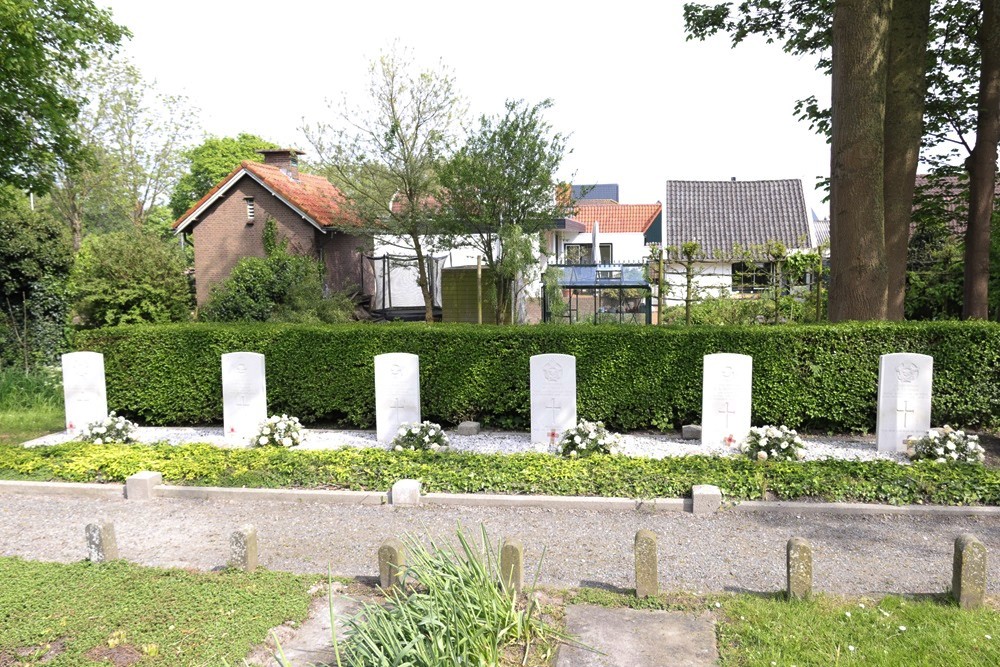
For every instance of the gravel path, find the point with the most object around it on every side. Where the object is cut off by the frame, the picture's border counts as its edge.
(728, 551)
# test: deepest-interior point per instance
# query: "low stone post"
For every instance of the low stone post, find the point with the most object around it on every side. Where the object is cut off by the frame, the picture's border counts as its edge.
(512, 565)
(405, 492)
(391, 561)
(243, 549)
(799, 567)
(968, 579)
(647, 581)
(101, 543)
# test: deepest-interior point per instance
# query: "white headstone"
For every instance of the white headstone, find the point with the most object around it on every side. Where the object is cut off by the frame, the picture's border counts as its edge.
(725, 398)
(397, 393)
(84, 391)
(904, 399)
(553, 396)
(244, 394)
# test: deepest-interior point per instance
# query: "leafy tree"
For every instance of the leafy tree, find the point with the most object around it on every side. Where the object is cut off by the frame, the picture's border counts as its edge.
(212, 161)
(43, 43)
(499, 192)
(281, 287)
(385, 156)
(130, 277)
(35, 258)
(132, 138)
(897, 66)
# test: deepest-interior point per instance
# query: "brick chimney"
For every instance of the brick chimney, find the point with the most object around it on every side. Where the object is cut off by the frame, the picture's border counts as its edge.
(285, 159)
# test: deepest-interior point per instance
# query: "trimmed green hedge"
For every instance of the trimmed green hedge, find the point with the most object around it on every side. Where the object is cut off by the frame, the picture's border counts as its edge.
(820, 377)
(614, 476)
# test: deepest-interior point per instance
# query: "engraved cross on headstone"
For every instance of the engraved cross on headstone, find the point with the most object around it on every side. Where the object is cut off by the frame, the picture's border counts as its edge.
(397, 405)
(727, 411)
(906, 410)
(553, 405)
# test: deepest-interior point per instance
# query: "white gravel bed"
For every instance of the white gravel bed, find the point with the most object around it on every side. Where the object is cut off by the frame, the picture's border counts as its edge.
(651, 445)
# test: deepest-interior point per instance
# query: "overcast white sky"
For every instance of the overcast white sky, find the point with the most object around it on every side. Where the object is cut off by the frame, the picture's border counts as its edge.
(642, 105)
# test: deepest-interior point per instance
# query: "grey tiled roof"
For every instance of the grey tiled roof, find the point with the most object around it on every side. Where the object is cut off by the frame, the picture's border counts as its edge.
(722, 214)
(596, 191)
(822, 229)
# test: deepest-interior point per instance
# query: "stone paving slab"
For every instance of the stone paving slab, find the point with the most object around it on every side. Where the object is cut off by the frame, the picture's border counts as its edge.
(311, 643)
(637, 638)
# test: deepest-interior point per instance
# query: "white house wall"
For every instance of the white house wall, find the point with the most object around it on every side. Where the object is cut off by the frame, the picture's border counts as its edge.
(711, 279)
(626, 248)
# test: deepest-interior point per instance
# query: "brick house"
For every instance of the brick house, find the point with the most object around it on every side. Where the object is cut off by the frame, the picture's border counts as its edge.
(227, 224)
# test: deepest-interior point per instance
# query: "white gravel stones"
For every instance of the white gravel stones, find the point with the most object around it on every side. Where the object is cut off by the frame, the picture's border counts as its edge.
(652, 445)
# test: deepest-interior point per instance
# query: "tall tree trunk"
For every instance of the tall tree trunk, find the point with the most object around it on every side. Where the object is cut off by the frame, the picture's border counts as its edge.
(858, 276)
(982, 167)
(906, 88)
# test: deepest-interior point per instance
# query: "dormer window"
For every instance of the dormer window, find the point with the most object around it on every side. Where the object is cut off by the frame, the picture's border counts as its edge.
(250, 209)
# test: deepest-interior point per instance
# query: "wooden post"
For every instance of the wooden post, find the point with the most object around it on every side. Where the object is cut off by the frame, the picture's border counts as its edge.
(659, 297)
(479, 288)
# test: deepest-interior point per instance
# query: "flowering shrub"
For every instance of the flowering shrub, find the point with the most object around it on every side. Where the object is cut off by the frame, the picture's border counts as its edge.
(283, 431)
(946, 445)
(777, 443)
(112, 429)
(588, 438)
(425, 435)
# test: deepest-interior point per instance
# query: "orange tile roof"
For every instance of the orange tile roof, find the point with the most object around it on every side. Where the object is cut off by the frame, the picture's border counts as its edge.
(313, 195)
(617, 218)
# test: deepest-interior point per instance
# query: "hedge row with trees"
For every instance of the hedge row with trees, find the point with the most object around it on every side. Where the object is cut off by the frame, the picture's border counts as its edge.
(820, 377)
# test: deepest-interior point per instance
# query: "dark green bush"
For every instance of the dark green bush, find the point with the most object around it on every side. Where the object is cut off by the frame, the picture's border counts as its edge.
(130, 277)
(806, 377)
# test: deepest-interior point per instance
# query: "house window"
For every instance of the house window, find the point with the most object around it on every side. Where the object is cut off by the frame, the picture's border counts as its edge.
(752, 277)
(250, 209)
(583, 253)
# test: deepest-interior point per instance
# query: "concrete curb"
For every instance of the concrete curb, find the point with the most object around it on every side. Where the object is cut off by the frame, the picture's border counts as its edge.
(860, 509)
(63, 489)
(591, 503)
(281, 495)
(557, 502)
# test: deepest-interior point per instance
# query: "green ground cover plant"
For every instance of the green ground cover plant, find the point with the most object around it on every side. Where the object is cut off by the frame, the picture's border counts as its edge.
(82, 613)
(817, 377)
(760, 630)
(455, 472)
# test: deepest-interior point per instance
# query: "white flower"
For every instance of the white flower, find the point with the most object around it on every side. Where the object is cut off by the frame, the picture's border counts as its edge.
(576, 439)
(761, 455)
(262, 441)
(98, 441)
(573, 454)
(398, 448)
(414, 430)
(954, 455)
(287, 442)
(939, 451)
(939, 460)
(763, 442)
(902, 628)
(850, 648)
(847, 614)
(401, 431)
(950, 445)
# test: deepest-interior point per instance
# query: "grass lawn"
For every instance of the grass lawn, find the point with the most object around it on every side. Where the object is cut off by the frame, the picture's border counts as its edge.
(764, 630)
(57, 614)
(17, 426)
